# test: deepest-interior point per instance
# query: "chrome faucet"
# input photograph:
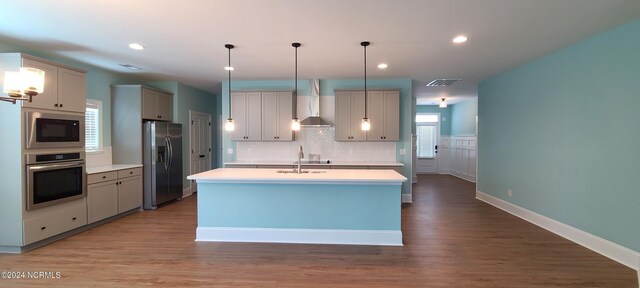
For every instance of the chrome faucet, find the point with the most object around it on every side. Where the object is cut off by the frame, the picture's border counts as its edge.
(300, 156)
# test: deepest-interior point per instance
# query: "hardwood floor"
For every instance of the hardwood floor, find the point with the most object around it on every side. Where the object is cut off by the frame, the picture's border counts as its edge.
(451, 240)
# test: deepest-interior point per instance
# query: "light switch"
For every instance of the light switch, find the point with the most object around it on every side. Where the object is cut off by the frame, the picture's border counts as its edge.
(229, 150)
(403, 151)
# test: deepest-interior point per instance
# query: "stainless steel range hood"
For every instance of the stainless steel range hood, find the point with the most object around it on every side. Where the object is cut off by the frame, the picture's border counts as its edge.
(314, 119)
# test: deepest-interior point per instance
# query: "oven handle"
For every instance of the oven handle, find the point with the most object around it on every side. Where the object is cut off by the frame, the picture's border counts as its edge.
(45, 167)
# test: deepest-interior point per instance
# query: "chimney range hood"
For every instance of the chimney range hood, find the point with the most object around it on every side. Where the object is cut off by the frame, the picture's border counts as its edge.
(314, 119)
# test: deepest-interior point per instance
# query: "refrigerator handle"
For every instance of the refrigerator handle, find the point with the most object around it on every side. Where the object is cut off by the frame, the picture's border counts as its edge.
(166, 153)
(170, 157)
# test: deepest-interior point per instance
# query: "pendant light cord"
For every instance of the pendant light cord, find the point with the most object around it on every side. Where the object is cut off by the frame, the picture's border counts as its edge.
(229, 47)
(365, 44)
(295, 109)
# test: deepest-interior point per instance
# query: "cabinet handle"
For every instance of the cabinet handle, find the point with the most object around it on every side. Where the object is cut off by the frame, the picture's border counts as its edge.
(60, 105)
(55, 105)
(104, 177)
(131, 172)
(74, 218)
(116, 183)
(159, 117)
(43, 227)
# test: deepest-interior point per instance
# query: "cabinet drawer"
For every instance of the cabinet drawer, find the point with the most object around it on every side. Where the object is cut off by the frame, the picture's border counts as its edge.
(54, 223)
(129, 172)
(101, 177)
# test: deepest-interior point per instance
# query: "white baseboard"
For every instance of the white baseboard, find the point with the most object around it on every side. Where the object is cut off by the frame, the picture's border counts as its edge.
(407, 198)
(186, 192)
(618, 253)
(305, 236)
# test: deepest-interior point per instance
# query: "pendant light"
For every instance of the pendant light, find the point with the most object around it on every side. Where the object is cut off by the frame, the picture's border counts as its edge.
(366, 125)
(295, 122)
(443, 103)
(229, 126)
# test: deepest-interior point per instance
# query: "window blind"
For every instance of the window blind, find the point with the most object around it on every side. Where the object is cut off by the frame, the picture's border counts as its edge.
(92, 127)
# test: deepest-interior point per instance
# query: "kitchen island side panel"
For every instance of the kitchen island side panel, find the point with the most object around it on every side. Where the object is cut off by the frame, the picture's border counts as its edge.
(299, 206)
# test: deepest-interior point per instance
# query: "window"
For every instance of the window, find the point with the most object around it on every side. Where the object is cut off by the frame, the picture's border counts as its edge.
(426, 135)
(93, 126)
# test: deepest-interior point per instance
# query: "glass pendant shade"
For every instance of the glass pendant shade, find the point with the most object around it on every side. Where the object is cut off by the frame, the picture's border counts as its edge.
(295, 124)
(29, 81)
(366, 125)
(443, 104)
(229, 126)
(12, 84)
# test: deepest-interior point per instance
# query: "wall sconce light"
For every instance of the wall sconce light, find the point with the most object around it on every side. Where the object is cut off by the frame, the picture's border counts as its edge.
(23, 85)
(443, 103)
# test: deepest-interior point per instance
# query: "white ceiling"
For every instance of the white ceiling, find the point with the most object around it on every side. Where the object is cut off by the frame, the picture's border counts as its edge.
(185, 39)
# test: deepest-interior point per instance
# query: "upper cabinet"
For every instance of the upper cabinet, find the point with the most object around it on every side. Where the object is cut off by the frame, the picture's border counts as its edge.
(277, 112)
(384, 115)
(157, 105)
(65, 88)
(349, 113)
(262, 115)
(247, 116)
(383, 110)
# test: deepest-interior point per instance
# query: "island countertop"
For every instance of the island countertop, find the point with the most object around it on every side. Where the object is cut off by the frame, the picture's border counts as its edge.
(342, 176)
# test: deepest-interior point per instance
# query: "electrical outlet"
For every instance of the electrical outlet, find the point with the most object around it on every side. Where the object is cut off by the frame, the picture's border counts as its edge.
(229, 150)
(403, 151)
(509, 193)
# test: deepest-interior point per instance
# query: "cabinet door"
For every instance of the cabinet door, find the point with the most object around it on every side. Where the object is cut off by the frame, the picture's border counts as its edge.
(239, 115)
(129, 193)
(343, 115)
(391, 115)
(72, 90)
(48, 99)
(375, 107)
(270, 116)
(102, 201)
(149, 104)
(285, 114)
(254, 115)
(357, 113)
(164, 106)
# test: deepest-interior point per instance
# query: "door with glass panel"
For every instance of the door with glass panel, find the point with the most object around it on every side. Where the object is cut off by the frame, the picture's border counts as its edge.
(427, 137)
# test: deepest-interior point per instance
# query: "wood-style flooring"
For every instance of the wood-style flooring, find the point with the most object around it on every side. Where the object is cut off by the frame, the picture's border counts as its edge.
(451, 240)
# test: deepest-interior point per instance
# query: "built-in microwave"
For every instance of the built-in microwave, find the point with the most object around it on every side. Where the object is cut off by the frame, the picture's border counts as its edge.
(53, 130)
(54, 178)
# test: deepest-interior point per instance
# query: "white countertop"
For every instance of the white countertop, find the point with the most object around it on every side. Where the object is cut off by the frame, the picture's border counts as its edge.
(340, 176)
(108, 168)
(322, 163)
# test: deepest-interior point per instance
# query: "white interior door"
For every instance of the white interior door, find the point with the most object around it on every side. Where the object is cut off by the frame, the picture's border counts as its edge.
(200, 141)
(427, 139)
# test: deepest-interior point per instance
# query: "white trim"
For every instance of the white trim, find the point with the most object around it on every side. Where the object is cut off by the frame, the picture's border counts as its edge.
(186, 191)
(613, 251)
(407, 198)
(317, 181)
(304, 236)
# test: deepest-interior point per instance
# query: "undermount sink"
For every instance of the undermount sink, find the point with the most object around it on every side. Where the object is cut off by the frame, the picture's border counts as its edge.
(296, 172)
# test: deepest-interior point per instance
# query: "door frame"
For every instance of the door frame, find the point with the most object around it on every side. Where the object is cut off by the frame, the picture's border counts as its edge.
(436, 142)
(192, 113)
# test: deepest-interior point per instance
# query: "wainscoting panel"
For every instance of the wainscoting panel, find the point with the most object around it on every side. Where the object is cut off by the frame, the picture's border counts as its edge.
(458, 156)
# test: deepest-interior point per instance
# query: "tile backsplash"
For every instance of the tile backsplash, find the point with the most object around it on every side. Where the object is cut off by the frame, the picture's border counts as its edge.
(316, 140)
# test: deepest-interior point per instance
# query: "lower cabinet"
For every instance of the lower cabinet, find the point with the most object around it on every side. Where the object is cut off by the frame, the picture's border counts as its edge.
(51, 221)
(111, 193)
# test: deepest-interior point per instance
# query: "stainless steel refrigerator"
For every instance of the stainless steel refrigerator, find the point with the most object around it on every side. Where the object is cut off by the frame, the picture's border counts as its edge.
(162, 163)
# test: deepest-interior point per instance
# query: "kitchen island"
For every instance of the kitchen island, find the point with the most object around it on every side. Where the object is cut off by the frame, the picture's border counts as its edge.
(359, 207)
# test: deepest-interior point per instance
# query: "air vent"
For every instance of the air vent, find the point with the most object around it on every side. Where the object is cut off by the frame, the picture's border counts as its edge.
(442, 82)
(129, 66)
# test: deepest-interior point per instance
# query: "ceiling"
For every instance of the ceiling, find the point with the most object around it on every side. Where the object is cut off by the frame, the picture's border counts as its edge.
(185, 39)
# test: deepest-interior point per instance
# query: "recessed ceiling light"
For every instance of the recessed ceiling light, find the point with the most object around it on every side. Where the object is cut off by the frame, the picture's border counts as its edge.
(136, 46)
(129, 66)
(460, 39)
(383, 66)
(228, 68)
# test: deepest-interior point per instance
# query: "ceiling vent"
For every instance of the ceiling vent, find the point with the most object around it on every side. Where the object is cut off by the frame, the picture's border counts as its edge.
(442, 82)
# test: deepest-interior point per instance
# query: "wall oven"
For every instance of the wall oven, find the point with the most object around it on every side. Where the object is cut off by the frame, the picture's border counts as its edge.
(54, 178)
(53, 130)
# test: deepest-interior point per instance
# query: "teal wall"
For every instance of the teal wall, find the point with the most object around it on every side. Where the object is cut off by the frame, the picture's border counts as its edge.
(562, 132)
(445, 116)
(327, 88)
(463, 117)
(185, 99)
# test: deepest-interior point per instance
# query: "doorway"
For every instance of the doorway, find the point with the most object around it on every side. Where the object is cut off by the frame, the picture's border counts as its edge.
(427, 139)
(200, 142)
